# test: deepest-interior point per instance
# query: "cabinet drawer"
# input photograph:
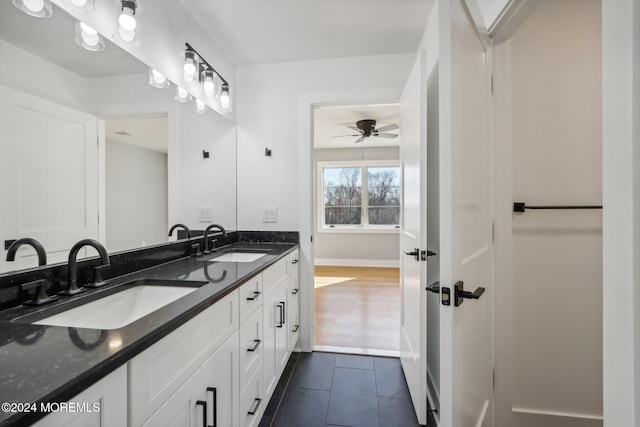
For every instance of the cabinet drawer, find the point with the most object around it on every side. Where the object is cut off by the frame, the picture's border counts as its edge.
(251, 345)
(156, 373)
(250, 297)
(274, 275)
(253, 401)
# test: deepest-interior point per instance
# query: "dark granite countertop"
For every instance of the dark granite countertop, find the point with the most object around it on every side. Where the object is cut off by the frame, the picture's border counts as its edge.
(53, 364)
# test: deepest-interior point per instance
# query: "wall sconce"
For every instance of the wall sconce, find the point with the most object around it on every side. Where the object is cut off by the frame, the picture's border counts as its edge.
(182, 95)
(208, 76)
(37, 8)
(88, 38)
(128, 29)
(157, 79)
(81, 5)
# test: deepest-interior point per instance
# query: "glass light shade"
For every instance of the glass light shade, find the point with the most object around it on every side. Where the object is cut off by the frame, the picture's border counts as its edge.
(208, 84)
(127, 19)
(37, 8)
(128, 30)
(225, 98)
(157, 79)
(201, 107)
(182, 95)
(190, 66)
(88, 38)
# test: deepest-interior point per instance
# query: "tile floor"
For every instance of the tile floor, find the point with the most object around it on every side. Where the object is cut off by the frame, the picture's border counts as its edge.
(328, 389)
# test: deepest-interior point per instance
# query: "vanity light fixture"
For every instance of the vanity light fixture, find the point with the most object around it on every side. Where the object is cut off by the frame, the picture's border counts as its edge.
(201, 107)
(82, 5)
(182, 95)
(37, 8)
(88, 38)
(208, 76)
(157, 79)
(128, 30)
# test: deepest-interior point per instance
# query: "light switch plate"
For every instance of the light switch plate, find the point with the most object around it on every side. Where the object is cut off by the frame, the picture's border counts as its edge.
(269, 214)
(205, 215)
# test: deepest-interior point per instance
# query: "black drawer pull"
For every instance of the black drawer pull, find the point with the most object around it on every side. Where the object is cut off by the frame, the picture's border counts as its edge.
(295, 291)
(255, 295)
(295, 261)
(215, 405)
(255, 345)
(204, 411)
(255, 408)
(295, 328)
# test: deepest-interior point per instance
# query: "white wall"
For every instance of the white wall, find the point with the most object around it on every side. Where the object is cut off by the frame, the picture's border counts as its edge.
(136, 196)
(356, 249)
(552, 79)
(274, 109)
(621, 216)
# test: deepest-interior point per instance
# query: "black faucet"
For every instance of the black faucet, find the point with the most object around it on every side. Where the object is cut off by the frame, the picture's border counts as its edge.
(206, 235)
(186, 229)
(72, 269)
(42, 254)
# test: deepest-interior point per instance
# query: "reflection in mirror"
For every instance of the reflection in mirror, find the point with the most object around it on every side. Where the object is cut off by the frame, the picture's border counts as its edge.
(147, 170)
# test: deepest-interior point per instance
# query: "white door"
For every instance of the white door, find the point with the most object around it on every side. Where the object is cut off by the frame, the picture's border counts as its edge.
(48, 176)
(413, 340)
(466, 217)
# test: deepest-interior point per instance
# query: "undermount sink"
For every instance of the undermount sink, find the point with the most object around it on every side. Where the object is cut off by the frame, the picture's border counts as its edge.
(123, 307)
(239, 257)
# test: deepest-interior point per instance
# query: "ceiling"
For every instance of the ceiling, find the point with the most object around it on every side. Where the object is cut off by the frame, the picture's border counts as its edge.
(145, 132)
(330, 121)
(260, 31)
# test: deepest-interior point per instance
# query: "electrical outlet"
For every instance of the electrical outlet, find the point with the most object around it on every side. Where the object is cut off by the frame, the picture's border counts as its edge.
(269, 214)
(205, 215)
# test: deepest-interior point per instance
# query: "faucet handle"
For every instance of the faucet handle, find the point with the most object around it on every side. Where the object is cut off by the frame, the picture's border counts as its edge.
(97, 277)
(41, 296)
(210, 247)
(195, 250)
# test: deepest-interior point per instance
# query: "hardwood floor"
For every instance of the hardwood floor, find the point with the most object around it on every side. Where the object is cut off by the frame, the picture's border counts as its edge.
(357, 308)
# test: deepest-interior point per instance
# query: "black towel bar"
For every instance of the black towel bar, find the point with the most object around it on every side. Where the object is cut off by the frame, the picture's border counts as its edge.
(520, 207)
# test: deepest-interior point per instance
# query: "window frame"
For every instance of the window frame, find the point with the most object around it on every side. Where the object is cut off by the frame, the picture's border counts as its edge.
(365, 227)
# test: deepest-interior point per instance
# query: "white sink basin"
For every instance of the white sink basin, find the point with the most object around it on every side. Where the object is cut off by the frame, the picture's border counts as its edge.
(239, 257)
(119, 309)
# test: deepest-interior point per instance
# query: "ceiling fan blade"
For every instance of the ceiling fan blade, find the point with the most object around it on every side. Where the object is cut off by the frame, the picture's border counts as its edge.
(354, 128)
(341, 136)
(359, 139)
(386, 135)
(388, 127)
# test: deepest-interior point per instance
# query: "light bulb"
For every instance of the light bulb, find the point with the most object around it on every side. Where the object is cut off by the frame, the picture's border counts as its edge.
(127, 20)
(89, 35)
(34, 5)
(225, 99)
(125, 35)
(207, 82)
(79, 3)
(201, 107)
(157, 79)
(190, 66)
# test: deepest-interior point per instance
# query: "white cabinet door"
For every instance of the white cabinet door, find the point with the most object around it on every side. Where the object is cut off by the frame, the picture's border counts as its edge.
(293, 302)
(104, 404)
(275, 335)
(251, 347)
(48, 175)
(253, 401)
(282, 330)
(209, 397)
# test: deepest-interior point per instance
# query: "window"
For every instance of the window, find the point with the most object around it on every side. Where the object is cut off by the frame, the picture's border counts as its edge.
(363, 195)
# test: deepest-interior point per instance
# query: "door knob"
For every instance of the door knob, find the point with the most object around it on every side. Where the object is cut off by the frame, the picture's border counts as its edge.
(414, 253)
(434, 287)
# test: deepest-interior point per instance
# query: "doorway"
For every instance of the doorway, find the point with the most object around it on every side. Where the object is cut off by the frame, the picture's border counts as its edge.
(357, 214)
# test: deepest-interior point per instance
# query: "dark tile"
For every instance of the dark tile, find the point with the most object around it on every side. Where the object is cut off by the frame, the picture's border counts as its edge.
(353, 399)
(302, 407)
(354, 361)
(396, 412)
(313, 371)
(390, 381)
(265, 421)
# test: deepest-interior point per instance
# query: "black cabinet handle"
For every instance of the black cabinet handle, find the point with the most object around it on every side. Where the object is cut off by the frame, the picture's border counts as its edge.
(215, 405)
(255, 295)
(295, 328)
(255, 345)
(295, 291)
(280, 306)
(204, 411)
(255, 408)
(295, 261)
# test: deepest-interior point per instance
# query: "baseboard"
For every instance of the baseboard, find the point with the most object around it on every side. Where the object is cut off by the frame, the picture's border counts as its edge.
(527, 417)
(353, 350)
(343, 262)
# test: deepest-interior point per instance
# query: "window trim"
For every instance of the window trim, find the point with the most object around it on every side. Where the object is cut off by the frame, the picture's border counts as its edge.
(383, 229)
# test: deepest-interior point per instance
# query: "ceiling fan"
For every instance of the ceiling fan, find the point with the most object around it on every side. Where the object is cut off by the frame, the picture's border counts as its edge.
(367, 128)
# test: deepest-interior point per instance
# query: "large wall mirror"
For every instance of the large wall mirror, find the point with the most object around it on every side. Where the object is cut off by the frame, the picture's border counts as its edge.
(88, 149)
